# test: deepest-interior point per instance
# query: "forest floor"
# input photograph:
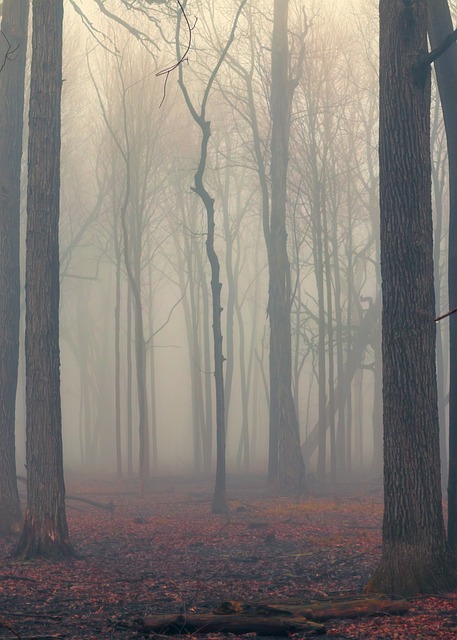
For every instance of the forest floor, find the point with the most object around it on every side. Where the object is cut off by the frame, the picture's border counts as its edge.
(166, 552)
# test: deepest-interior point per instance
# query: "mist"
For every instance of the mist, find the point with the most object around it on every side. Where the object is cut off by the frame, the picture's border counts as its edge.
(116, 102)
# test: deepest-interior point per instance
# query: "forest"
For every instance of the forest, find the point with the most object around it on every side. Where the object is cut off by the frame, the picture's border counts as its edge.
(228, 328)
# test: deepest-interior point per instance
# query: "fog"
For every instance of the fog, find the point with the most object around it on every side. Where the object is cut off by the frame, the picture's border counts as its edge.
(119, 116)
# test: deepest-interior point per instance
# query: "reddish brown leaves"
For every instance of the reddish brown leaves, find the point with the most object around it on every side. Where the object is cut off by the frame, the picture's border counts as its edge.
(166, 553)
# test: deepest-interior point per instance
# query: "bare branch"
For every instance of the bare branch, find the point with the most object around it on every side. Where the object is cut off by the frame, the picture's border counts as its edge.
(9, 52)
(96, 33)
(445, 315)
(166, 72)
(427, 59)
(141, 36)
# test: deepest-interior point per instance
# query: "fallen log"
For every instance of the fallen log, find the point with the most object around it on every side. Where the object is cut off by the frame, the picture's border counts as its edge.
(273, 618)
(317, 610)
(237, 624)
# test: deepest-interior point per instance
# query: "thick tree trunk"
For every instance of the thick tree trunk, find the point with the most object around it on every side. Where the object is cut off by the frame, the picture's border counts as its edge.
(284, 429)
(45, 531)
(415, 556)
(14, 28)
(440, 26)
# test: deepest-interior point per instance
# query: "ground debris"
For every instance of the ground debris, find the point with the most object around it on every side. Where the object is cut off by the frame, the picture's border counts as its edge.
(237, 624)
(183, 559)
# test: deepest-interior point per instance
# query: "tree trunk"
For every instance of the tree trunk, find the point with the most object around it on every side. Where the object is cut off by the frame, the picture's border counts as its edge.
(355, 355)
(189, 289)
(117, 354)
(415, 557)
(129, 399)
(439, 26)
(14, 28)
(45, 531)
(152, 374)
(208, 413)
(283, 418)
(439, 175)
(219, 504)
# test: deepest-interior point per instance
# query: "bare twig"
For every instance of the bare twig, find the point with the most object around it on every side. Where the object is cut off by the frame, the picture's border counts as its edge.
(445, 315)
(166, 72)
(9, 52)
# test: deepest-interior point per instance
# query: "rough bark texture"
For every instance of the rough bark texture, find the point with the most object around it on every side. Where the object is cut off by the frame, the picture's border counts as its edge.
(45, 531)
(440, 26)
(14, 27)
(415, 557)
(286, 461)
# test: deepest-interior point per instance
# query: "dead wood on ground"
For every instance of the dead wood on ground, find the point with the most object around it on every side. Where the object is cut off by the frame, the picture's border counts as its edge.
(318, 610)
(237, 624)
(273, 618)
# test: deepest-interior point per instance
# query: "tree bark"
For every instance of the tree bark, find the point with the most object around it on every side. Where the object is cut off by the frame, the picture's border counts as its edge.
(12, 76)
(415, 557)
(45, 531)
(440, 26)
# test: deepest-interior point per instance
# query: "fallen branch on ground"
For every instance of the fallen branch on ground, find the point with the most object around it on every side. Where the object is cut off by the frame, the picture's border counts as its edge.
(237, 624)
(273, 618)
(318, 610)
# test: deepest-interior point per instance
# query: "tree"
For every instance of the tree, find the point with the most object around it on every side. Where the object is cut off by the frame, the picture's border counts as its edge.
(439, 28)
(12, 76)
(45, 531)
(285, 458)
(415, 557)
(219, 501)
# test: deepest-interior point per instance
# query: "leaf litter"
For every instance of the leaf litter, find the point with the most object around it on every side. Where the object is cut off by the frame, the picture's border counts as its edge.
(166, 553)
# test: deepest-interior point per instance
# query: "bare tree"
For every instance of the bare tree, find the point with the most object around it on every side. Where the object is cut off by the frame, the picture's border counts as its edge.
(199, 115)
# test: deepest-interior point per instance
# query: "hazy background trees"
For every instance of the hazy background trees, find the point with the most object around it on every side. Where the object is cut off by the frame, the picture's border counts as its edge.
(125, 129)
